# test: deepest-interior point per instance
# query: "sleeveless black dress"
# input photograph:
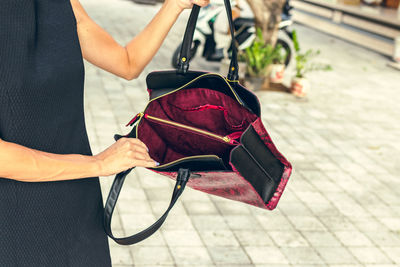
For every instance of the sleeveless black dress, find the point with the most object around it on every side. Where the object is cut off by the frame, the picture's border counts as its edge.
(51, 224)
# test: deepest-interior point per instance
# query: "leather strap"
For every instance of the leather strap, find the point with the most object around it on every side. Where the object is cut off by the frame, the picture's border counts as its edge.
(183, 65)
(181, 180)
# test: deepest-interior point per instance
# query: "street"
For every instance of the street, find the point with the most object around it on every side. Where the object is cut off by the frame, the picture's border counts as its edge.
(341, 207)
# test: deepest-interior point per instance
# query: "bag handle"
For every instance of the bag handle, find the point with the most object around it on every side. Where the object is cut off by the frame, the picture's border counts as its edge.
(181, 180)
(183, 64)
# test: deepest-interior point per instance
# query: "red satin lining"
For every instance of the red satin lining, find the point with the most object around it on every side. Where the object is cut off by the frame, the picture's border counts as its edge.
(208, 106)
(201, 108)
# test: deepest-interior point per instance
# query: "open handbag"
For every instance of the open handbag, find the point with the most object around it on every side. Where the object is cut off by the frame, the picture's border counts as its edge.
(206, 132)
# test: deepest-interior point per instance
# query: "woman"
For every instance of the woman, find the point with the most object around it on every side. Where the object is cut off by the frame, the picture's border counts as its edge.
(49, 216)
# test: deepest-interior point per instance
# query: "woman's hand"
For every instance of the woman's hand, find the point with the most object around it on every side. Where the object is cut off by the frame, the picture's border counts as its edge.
(185, 4)
(122, 155)
(29, 165)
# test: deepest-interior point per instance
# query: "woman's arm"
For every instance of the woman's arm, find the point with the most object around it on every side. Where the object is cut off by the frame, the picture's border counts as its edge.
(29, 165)
(100, 49)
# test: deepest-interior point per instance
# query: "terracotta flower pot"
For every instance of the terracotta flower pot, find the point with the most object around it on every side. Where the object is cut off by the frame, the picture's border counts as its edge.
(277, 73)
(299, 86)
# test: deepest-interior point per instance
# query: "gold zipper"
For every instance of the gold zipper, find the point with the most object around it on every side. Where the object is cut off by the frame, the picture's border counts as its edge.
(186, 158)
(225, 139)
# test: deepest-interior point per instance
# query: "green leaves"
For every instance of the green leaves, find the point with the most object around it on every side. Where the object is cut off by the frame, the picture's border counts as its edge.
(295, 41)
(260, 55)
(303, 64)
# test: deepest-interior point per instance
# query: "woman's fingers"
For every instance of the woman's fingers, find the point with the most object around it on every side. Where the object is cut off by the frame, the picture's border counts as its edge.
(145, 163)
(138, 153)
(134, 141)
(125, 153)
(138, 143)
(139, 150)
(134, 145)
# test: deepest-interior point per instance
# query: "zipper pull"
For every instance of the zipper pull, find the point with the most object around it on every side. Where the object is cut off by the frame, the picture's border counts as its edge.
(230, 141)
(135, 119)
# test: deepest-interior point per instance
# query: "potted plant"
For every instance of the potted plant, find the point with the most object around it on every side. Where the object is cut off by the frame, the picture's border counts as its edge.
(278, 65)
(300, 85)
(259, 57)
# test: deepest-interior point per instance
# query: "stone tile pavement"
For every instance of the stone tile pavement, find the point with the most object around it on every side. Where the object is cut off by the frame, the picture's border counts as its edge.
(342, 204)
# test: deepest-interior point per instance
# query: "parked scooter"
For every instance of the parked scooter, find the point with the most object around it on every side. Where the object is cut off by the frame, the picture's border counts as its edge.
(204, 35)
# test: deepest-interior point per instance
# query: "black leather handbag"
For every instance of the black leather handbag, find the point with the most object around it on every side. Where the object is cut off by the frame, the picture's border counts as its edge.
(206, 132)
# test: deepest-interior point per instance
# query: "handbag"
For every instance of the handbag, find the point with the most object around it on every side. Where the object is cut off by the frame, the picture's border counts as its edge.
(206, 132)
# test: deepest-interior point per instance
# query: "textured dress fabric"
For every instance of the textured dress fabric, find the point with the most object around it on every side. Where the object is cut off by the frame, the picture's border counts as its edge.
(41, 107)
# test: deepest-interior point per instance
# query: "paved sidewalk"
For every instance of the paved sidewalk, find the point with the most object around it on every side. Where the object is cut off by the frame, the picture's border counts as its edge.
(342, 204)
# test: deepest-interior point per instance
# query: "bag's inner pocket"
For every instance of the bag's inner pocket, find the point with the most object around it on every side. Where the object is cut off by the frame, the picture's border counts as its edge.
(193, 122)
(213, 110)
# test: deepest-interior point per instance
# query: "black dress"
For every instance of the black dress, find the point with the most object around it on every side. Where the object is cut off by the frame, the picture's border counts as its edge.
(51, 224)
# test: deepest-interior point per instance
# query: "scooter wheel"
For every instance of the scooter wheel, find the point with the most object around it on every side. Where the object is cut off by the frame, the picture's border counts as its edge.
(285, 46)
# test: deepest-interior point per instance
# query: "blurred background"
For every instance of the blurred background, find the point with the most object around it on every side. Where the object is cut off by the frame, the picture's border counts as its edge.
(327, 75)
